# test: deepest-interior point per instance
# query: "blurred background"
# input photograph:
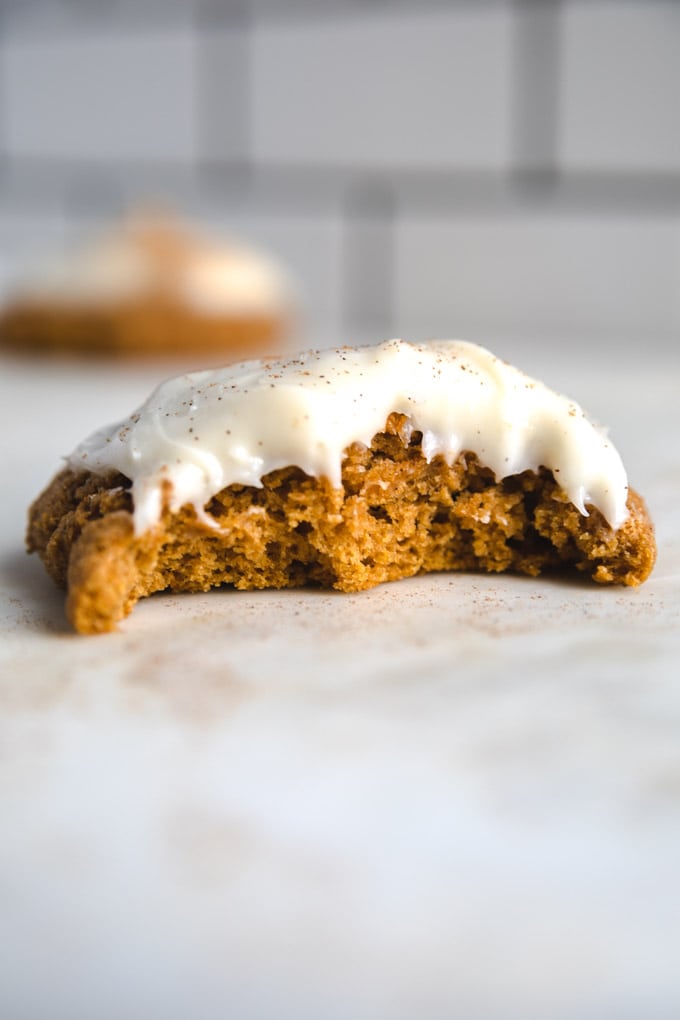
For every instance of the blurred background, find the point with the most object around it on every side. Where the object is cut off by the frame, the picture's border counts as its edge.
(481, 169)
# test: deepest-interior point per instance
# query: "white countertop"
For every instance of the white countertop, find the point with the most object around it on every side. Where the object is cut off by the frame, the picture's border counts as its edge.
(455, 796)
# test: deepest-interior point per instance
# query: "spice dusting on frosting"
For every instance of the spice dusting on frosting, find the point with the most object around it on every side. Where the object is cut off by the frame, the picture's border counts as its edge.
(206, 430)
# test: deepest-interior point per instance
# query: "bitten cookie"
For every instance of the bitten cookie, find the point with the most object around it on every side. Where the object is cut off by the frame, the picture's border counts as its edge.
(343, 468)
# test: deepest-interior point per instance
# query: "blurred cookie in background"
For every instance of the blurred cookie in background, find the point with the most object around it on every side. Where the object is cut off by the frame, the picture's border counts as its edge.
(148, 287)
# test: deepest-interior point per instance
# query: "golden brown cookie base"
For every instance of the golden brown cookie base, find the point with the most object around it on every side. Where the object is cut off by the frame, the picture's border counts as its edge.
(154, 326)
(395, 516)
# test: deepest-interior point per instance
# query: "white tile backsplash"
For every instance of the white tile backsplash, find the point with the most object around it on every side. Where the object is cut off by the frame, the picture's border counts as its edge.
(379, 90)
(100, 95)
(620, 105)
(267, 119)
(538, 274)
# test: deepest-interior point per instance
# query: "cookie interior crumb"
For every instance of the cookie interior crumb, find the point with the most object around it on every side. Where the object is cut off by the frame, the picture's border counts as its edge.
(395, 516)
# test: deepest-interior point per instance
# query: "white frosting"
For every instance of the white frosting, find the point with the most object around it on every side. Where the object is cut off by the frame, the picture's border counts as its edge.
(214, 281)
(144, 258)
(206, 430)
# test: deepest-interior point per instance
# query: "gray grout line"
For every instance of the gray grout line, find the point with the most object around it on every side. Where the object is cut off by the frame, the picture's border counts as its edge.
(536, 70)
(315, 188)
(125, 15)
(273, 11)
(215, 14)
(367, 281)
(211, 99)
(72, 16)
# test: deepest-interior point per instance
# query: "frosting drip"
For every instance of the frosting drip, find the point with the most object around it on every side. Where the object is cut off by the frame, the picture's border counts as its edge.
(209, 429)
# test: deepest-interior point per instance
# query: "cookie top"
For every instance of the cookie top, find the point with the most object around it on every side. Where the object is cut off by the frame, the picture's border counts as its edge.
(149, 256)
(200, 432)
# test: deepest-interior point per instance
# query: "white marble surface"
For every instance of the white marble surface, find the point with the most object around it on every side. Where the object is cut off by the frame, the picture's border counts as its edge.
(455, 796)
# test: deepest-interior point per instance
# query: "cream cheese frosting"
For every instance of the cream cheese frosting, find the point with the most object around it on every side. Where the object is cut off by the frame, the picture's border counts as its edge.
(200, 432)
(144, 257)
